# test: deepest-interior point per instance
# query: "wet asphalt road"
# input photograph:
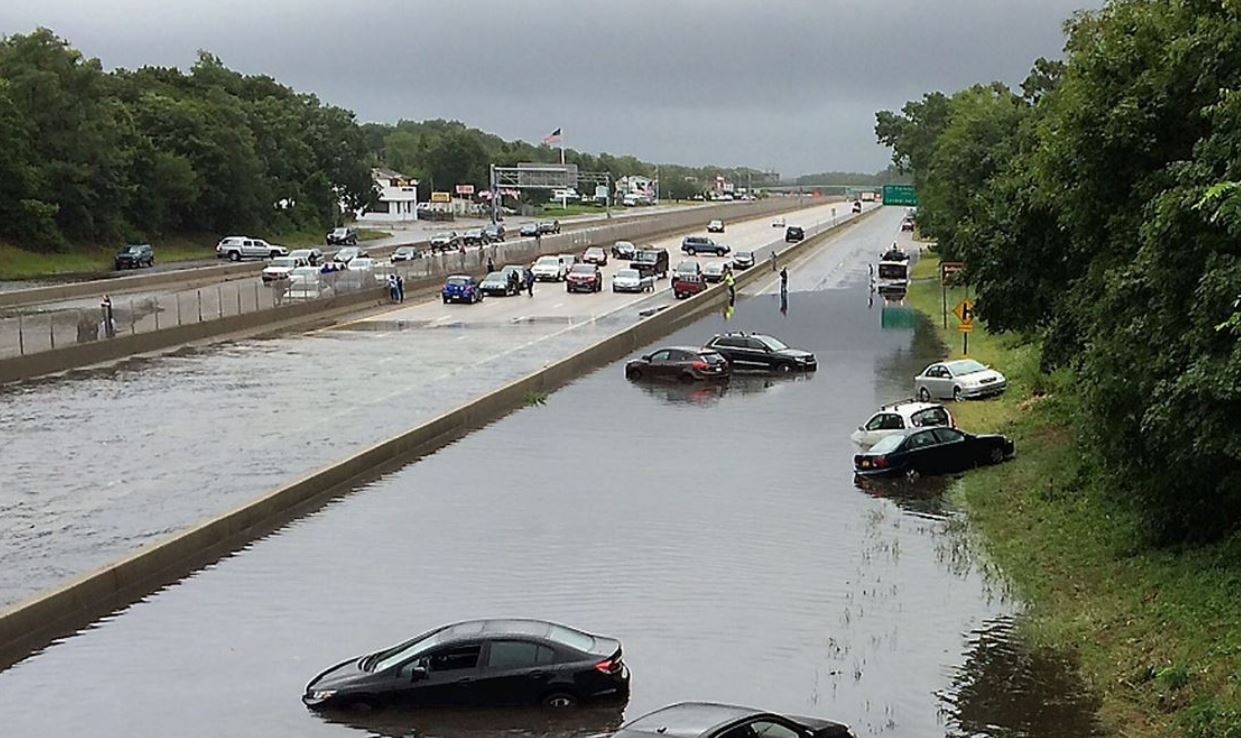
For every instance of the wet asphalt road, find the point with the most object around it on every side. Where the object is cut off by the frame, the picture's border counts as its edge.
(102, 461)
(717, 531)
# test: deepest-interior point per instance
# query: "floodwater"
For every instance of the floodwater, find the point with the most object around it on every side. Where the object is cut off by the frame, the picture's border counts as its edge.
(717, 531)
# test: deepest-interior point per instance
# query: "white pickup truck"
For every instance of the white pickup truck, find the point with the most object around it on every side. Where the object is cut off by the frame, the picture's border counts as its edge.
(236, 248)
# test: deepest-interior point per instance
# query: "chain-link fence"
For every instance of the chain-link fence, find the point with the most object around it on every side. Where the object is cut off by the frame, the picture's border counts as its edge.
(35, 329)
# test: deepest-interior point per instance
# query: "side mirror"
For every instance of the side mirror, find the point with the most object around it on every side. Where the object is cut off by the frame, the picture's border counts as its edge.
(418, 673)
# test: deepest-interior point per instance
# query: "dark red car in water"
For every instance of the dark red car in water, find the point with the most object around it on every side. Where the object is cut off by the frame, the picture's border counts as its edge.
(682, 363)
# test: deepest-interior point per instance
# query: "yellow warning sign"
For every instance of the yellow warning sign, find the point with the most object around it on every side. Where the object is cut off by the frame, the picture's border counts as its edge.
(964, 312)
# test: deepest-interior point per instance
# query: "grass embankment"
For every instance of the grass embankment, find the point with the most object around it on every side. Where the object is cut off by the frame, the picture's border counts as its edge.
(1157, 631)
(16, 263)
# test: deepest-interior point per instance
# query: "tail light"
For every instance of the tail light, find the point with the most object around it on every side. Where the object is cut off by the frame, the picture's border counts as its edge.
(700, 365)
(880, 461)
(610, 666)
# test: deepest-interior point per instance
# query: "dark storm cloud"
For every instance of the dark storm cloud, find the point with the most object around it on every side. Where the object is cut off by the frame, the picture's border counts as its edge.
(788, 84)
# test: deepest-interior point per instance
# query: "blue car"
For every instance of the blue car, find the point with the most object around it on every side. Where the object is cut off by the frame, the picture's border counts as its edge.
(461, 288)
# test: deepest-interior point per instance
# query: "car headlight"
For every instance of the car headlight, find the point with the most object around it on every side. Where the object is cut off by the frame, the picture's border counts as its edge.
(322, 694)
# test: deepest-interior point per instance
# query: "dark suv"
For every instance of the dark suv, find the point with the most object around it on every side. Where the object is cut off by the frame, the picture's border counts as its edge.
(694, 245)
(794, 234)
(651, 263)
(758, 351)
(134, 256)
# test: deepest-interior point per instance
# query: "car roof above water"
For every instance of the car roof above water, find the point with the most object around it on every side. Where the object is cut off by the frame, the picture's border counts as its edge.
(687, 719)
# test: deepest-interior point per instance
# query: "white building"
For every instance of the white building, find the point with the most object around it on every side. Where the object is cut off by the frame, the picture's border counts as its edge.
(397, 198)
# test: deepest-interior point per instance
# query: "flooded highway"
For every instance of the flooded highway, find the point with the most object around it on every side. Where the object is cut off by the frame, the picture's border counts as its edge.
(717, 531)
(102, 461)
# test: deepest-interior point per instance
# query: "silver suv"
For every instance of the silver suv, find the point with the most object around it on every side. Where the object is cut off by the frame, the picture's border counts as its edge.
(236, 248)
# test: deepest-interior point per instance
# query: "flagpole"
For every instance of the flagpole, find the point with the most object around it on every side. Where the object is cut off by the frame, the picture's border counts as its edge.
(561, 146)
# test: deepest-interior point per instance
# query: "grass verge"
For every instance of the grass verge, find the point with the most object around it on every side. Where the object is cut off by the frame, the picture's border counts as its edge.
(1157, 632)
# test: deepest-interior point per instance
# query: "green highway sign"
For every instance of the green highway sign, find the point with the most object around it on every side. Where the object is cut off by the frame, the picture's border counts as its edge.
(900, 195)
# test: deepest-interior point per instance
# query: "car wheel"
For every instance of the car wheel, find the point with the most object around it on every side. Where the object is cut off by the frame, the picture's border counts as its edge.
(924, 394)
(719, 252)
(996, 455)
(912, 474)
(686, 378)
(956, 394)
(445, 300)
(234, 256)
(633, 373)
(784, 368)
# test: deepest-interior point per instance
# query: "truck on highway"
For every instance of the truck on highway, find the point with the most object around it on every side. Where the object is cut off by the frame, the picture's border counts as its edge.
(236, 248)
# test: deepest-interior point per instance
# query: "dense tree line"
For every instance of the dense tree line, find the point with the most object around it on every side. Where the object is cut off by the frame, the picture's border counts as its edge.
(94, 156)
(442, 154)
(1098, 209)
(890, 175)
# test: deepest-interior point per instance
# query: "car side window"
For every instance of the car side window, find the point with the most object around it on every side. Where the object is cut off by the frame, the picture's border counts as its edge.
(771, 729)
(661, 355)
(892, 421)
(930, 417)
(754, 344)
(922, 440)
(949, 435)
(517, 655)
(876, 423)
(452, 659)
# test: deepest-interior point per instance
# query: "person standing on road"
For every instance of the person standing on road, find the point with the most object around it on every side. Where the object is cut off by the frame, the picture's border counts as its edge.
(773, 260)
(400, 288)
(109, 324)
(732, 285)
(784, 281)
(491, 265)
(530, 282)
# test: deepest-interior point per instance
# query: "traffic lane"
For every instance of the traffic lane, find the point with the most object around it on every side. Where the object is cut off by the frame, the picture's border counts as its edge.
(552, 298)
(276, 408)
(744, 566)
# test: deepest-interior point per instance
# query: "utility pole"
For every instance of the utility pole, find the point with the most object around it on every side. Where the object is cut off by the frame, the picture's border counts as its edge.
(495, 197)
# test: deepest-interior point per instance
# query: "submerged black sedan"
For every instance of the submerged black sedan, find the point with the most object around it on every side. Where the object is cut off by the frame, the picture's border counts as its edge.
(711, 720)
(931, 451)
(479, 662)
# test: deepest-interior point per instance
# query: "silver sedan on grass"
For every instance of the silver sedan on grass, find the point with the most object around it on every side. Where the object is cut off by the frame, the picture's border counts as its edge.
(964, 379)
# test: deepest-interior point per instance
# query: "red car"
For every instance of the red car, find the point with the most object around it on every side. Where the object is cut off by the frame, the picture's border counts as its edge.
(595, 255)
(688, 280)
(584, 278)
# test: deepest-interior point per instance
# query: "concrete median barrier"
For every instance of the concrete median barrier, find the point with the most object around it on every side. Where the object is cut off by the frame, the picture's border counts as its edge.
(36, 623)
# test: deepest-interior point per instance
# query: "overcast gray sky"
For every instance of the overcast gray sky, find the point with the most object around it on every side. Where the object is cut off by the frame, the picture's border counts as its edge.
(786, 84)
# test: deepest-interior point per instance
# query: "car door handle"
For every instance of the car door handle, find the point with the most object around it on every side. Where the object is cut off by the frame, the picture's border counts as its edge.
(465, 680)
(538, 674)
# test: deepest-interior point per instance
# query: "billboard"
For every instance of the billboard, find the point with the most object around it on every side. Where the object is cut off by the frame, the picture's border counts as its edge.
(441, 197)
(465, 189)
(551, 176)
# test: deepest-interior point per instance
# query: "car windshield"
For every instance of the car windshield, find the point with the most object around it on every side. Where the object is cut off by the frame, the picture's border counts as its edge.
(393, 656)
(745, 254)
(131, 250)
(892, 271)
(714, 267)
(405, 250)
(495, 277)
(458, 281)
(968, 366)
(624, 245)
(284, 261)
(774, 344)
(594, 252)
(644, 256)
(887, 444)
(627, 274)
(582, 269)
(547, 261)
(688, 267)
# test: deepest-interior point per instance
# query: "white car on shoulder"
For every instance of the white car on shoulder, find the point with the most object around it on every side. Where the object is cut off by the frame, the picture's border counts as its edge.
(778, 222)
(964, 379)
(899, 417)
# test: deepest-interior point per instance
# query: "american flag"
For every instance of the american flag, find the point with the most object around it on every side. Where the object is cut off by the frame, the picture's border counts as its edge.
(552, 138)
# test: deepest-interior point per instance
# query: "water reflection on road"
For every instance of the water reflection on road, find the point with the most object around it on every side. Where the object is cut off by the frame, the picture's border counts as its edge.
(717, 531)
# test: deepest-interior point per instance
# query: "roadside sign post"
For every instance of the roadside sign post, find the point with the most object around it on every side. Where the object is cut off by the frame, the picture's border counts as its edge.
(965, 313)
(947, 271)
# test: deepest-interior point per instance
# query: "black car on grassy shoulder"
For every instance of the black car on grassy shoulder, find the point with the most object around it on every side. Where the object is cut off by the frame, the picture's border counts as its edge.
(929, 451)
(793, 234)
(759, 351)
(134, 256)
(343, 236)
(711, 720)
(479, 662)
(682, 363)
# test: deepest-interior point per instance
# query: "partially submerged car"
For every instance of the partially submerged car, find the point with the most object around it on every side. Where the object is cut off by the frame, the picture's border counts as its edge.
(711, 720)
(479, 662)
(901, 416)
(926, 451)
